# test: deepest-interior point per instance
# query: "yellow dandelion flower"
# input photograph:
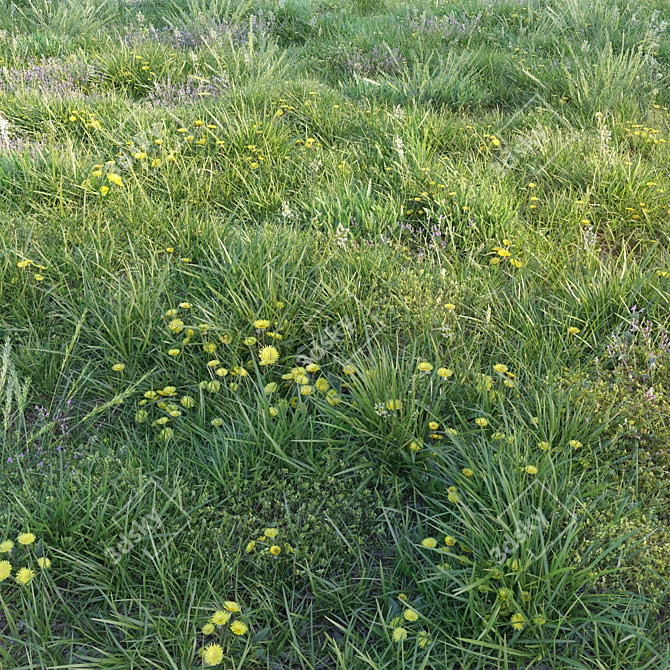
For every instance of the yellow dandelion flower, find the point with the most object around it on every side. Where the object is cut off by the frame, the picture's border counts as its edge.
(433, 425)
(573, 331)
(208, 629)
(468, 472)
(212, 654)
(575, 444)
(531, 469)
(410, 615)
(415, 446)
(176, 325)
(349, 370)
(275, 550)
(481, 421)
(174, 352)
(261, 324)
(271, 532)
(268, 356)
(450, 307)
(500, 368)
(445, 373)
(518, 621)
(26, 539)
(238, 627)
(452, 495)
(44, 562)
(312, 367)
(249, 341)
(423, 638)
(399, 634)
(394, 405)
(273, 411)
(220, 618)
(322, 385)
(424, 366)
(232, 606)
(5, 570)
(504, 253)
(213, 364)
(6, 546)
(118, 367)
(24, 576)
(209, 347)
(429, 542)
(270, 388)
(449, 541)
(185, 305)
(114, 179)
(250, 547)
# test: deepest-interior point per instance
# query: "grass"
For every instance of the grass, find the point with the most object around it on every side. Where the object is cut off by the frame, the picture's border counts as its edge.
(350, 315)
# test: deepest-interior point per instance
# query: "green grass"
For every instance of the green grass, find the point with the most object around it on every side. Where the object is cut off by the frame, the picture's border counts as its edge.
(477, 187)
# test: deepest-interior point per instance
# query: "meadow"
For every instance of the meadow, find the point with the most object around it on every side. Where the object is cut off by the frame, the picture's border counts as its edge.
(334, 334)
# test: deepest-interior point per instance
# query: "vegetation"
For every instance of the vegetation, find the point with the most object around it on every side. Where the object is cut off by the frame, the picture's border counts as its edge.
(334, 334)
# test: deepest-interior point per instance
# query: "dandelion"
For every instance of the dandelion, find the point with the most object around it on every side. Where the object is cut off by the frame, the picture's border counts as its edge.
(174, 352)
(221, 372)
(209, 347)
(273, 411)
(543, 445)
(322, 385)
(176, 325)
(433, 425)
(500, 368)
(429, 542)
(481, 421)
(114, 179)
(573, 331)
(261, 324)
(26, 539)
(187, 402)
(6, 546)
(270, 388)
(450, 307)
(423, 638)
(185, 305)
(415, 446)
(349, 370)
(312, 367)
(250, 547)
(394, 405)
(24, 576)
(271, 532)
(249, 341)
(518, 621)
(468, 472)
(232, 606)
(213, 386)
(238, 627)
(575, 444)
(531, 469)
(452, 494)
(5, 570)
(410, 615)
(424, 366)
(118, 367)
(217, 423)
(275, 550)
(540, 620)
(220, 618)
(399, 634)
(208, 629)
(444, 373)
(44, 562)
(449, 541)
(212, 654)
(268, 356)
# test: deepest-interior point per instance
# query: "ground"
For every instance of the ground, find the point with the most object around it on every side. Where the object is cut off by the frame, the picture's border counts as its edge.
(334, 334)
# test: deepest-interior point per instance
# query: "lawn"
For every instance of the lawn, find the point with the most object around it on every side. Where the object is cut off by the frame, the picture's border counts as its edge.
(334, 334)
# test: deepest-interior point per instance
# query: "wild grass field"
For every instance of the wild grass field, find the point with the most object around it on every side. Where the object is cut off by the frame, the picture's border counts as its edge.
(334, 334)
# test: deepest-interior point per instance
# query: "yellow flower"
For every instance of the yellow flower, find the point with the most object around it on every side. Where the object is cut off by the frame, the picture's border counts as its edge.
(213, 364)
(268, 356)
(185, 305)
(575, 444)
(208, 628)
(410, 615)
(114, 179)
(271, 532)
(452, 495)
(415, 446)
(450, 307)
(5, 570)
(44, 562)
(449, 541)
(169, 390)
(24, 576)
(312, 367)
(209, 347)
(270, 388)
(445, 373)
(424, 366)
(504, 253)
(429, 542)
(249, 341)
(176, 325)
(213, 386)
(322, 385)
(25, 539)
(543, 445)
(212, 654)
(573, 331)
(174, 352)
(349, 370)
(501, 368)
(39, 277)
(275, 550)
(394, 405)
(221, 372)
(332, 398)
(531, 469)
(6, 546)
(238, 627)
(306, 390)
(261, 324)
(24, 264)
(273, 411)
(518, 621)
(217, 423)
(118, 367)
(399, 634)
(540, 620)
(219, 618)
(433, 425)
(481, 421)
(250, 547)
(187, 402)
(423, 638)
(468, 472)
(104, 190)
(232, 606)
